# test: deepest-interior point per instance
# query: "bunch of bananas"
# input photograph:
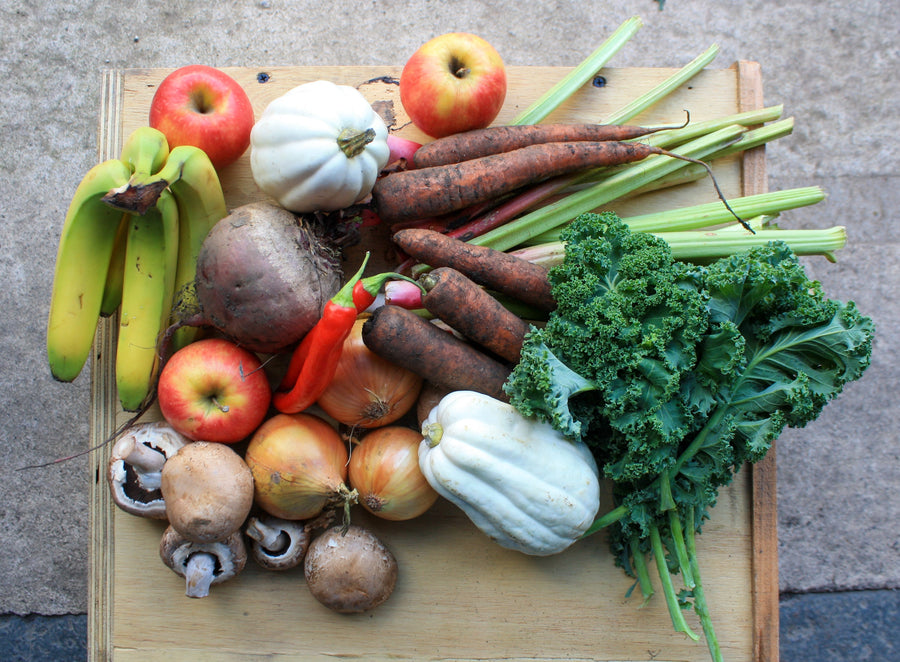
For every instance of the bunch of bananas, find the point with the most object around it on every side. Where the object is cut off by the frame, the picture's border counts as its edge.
(129, 243)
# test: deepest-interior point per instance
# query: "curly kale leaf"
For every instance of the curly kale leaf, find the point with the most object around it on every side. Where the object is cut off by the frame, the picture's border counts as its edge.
(799, 348)
(628, 320)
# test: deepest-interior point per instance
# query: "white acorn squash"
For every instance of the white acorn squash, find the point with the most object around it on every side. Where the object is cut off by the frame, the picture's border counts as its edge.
(318, 147)
(520, 481)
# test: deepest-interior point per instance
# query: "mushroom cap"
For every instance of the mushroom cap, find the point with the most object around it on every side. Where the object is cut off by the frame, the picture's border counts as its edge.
(230, 554)
(208, 491)
(350, 571)
(135, 488)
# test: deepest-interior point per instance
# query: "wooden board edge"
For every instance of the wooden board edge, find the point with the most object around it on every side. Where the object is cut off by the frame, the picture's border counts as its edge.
(764, 531)
(102, 419)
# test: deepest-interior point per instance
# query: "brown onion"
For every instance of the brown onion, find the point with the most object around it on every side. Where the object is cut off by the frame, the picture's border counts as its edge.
(384, 470)
(299, 465)
(368, 391)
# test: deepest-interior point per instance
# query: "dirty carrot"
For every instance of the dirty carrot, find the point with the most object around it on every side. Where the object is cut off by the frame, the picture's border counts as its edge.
(505, 138)
(491, 268)
(468, 308)
(434, 191)
(409, 340)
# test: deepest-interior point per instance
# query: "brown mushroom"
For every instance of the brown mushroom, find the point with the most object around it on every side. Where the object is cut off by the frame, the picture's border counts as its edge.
(203, 564)
(135, 467)
(275, 543)
(349, 569)
(208, 490)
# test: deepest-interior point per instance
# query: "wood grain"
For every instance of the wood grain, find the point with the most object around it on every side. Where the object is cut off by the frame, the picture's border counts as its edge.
(459, 596)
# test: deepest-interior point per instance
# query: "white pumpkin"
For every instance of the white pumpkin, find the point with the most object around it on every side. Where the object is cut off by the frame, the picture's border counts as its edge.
(318, 147)
(520, 481)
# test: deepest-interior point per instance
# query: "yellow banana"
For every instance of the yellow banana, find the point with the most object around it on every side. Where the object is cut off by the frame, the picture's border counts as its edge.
(193, 181)
(145, 151)
(82, 262)
(112, 291)
(151, 256)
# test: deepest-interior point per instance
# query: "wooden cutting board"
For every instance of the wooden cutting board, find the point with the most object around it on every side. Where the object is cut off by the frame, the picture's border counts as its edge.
(459, 596)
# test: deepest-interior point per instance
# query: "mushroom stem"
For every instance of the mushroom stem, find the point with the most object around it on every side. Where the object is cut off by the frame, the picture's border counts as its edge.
(199, 572)
(147, 463)
(269, 537)
(277, 544)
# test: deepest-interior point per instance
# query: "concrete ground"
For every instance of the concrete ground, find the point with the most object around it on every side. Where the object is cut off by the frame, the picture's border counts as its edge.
(833, 64)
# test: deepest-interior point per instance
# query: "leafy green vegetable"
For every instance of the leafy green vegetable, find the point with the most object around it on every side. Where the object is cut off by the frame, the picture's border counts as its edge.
(676, 375)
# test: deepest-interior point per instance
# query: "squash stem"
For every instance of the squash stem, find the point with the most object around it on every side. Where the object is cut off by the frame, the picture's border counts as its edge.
(352, 142)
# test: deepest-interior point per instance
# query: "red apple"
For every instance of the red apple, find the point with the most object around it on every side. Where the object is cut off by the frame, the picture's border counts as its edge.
(214, 390)
(454, 82)
(204, 107)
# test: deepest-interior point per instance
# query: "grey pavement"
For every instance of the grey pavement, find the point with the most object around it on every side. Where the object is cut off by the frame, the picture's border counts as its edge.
(832, 64)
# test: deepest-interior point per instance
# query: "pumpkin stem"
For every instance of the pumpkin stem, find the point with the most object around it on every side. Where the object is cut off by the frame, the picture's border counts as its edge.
(433, 433)
(353, 141)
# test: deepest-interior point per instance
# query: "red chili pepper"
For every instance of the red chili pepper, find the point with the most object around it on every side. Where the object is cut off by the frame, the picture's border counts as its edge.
(366, 289)
(315, 360)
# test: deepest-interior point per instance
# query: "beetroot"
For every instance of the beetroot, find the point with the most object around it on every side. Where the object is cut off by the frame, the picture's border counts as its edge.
(264, 276)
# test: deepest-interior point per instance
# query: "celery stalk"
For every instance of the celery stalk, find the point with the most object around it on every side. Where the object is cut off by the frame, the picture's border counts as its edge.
(546, 218)
(572, 81)
(646, 100)
(672, 137)
(711, 244)
(696, 217)
(698, 244)
(715, 213)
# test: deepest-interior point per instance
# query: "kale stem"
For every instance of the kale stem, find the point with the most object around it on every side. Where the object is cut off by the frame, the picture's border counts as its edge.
(700, 605)
(696, 444)
(611, 517)
(681, 551)
(659, 553)
(667, 504)
(640, 570)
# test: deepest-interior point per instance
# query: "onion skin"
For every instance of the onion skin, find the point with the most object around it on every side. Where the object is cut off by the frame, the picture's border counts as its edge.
(299, 466)
(384, 470)
(368, 391)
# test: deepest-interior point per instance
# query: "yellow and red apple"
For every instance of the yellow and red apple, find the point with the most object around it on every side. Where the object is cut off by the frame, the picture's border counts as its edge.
(454, 82)
(214, 390)
(204, 107)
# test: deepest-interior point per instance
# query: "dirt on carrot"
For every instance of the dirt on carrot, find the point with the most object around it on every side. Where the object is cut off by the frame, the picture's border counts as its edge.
(498, 139)
(496, 270)
(411, 341)
(443, 189)
(469, 309)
